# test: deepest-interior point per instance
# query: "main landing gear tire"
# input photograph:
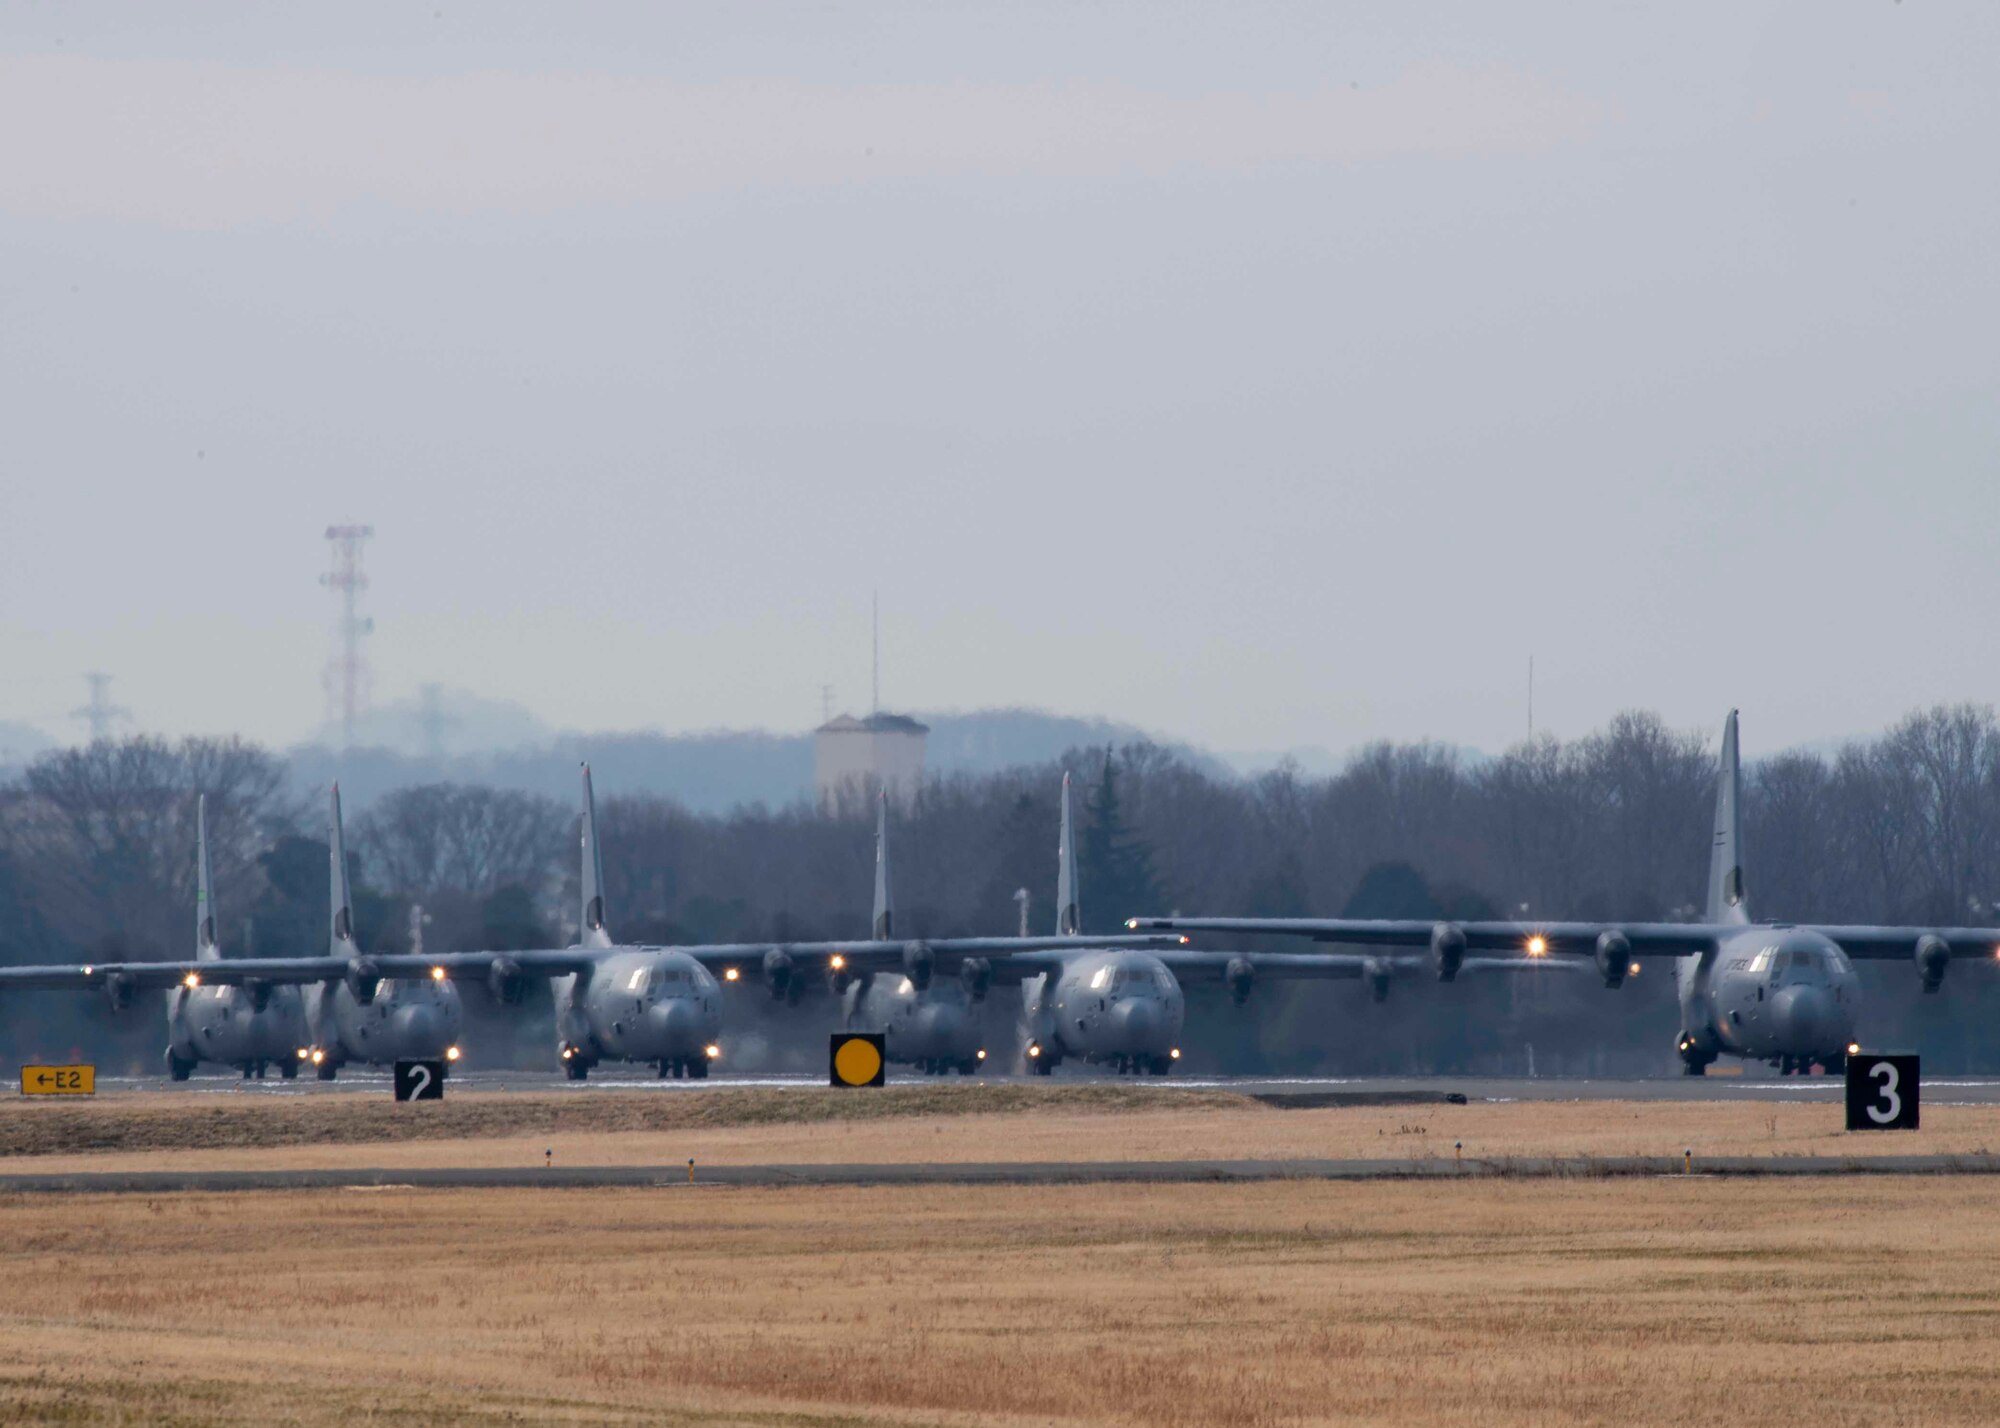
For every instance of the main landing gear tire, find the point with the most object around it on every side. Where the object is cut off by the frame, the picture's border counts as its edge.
(178, 1069)
(969, 1066)
(698, 1070)
(326, 1070)
(576, 1069)
(1161, 1065)
(289, 1070)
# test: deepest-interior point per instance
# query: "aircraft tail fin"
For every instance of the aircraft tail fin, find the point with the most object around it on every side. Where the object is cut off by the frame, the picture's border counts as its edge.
(341, 942)
(1726, 897)
(885, 905)
(205, 949)
(593, 933)
(1069, 923)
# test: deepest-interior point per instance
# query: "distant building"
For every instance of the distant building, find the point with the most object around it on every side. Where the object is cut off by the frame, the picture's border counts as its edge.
(854, 757)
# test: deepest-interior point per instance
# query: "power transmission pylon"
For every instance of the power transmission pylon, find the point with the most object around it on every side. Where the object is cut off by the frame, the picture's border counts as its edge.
(347, 672)
(99, 712)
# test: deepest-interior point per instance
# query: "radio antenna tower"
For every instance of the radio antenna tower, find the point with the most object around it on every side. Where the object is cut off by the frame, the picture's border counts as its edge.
(99, 713)
(347, 672)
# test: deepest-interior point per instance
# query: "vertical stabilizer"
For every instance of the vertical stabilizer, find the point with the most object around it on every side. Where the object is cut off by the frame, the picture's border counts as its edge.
(885, 903)
(342, 943)
(1726, 900)
(593, 933)
(1068, 922)
(205, 949)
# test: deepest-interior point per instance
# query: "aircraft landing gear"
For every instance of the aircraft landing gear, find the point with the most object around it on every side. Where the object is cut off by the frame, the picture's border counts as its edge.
(575, 1068)
(969, 1066)
(1161, 1065)
(289, 1070)
(698, 1070)
(178, 1069)
(1694, 1059)
(326, 1070)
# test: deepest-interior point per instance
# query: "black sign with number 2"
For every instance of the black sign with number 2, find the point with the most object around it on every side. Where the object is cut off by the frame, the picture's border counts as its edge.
(420, 1080)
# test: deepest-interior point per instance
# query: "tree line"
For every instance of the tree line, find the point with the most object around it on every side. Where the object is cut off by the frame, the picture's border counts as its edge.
(96, 863)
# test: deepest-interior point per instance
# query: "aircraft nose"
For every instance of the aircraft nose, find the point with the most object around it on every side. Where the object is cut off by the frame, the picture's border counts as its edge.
(1806, 1021)
(1138, 1023)
(677, 1021)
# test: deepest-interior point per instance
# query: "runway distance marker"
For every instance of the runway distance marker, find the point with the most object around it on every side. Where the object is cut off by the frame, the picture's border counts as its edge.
(858, 1059)
(58, 1080)
(1882, 1092)
(420, 1080)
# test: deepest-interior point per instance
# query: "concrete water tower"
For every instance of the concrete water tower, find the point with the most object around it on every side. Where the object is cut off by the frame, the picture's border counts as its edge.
(852, 758)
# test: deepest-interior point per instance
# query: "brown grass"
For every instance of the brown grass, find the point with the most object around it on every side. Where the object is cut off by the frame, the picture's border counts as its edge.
(1634, 1302)
(917, 1123)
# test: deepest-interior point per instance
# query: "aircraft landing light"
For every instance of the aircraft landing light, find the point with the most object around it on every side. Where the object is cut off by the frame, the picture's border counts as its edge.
(304, 1054)
(451, 1053)
(192, 979)
(712, 1052)
(437, 974)
(1034, 1048)
(1175, 1053)
(1853, 1048)
(318, 1056)
(981, 1053)
(730, 974)
(1538, 945)
(1633, 970)
(836, 962)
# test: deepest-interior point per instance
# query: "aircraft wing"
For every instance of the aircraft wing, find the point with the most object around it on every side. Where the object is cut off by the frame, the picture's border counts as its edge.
(227, 971)
(1533, 940)
(1520, 939)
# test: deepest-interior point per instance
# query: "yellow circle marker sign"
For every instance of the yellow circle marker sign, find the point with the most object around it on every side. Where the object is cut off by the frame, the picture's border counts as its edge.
(859, 1059)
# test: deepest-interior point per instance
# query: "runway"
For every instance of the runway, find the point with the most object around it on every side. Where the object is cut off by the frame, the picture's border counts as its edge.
(1280, 1091)
(1129, 1172)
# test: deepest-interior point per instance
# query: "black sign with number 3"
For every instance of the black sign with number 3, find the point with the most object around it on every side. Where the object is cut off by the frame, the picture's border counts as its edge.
(1882, 1092)
(420, 1080)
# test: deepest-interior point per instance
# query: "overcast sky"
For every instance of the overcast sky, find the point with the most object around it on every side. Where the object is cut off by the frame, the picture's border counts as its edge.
(1261, 375)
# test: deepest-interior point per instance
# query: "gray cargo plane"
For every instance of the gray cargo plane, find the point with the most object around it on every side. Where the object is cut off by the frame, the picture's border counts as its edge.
(361, 1014)
(1123, 1008)
(1779, 992)
(244, 1012)
(662, 1004)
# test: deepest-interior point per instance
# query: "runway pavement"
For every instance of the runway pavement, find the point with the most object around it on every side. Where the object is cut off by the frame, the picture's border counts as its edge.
(1281, 1091)
(1147, 1172)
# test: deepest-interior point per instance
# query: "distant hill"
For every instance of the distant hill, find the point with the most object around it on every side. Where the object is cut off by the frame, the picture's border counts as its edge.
(708, 772)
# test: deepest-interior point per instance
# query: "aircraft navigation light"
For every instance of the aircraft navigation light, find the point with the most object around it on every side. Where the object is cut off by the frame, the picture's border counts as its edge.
(451, 1053)
(437, 974)
(730, 974)
(712, 1052)
(87, 971)
(1538, 945)
(837, 962)
(1175, 1053)
(192, 979)
(1186, 940)
(1633, 970)
(1131, 924)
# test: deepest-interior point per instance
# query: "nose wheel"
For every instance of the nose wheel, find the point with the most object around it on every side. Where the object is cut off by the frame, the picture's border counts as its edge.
(1695, 1059)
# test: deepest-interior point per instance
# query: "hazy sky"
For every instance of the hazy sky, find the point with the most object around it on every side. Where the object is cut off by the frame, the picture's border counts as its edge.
(1262, 375)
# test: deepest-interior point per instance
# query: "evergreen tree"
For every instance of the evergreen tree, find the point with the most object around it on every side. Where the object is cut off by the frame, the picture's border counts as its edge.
(1114, 863)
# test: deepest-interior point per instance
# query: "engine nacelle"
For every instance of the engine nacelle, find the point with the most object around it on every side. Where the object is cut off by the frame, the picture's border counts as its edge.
(1614, 957)
(1933, 956)
(779, 970)
(976, 975)
(1447, 949)
(120, 991)
(507, 983)
(1240, 976)
(363, 977)
(918, 964)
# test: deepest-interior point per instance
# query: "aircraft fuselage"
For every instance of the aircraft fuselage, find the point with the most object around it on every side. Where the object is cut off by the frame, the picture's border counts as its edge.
(1772, 993)
(408, 1018)
(653, 1004)
(936, 1028)
(1121, 1008)
(224, 1024)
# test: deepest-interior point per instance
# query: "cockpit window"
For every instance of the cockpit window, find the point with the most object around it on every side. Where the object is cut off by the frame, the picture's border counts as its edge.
(638, 982)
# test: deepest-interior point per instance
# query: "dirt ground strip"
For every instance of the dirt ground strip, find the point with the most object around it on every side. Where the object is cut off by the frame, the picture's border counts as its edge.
(1002, 1123)
(1853, 1302)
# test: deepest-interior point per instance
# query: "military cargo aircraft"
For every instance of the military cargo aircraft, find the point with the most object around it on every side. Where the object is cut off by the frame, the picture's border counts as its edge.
(360, 1013)
(661, 1004)
(1778, 992)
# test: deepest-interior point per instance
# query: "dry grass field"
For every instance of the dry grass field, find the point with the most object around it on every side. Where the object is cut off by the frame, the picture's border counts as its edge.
(956, 1123)
(1674, 1301)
